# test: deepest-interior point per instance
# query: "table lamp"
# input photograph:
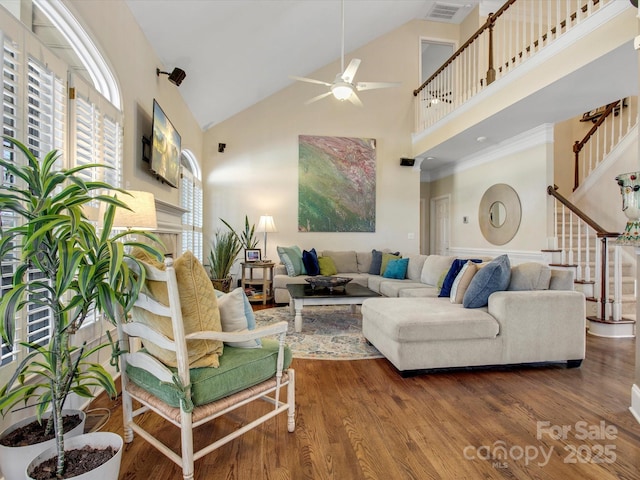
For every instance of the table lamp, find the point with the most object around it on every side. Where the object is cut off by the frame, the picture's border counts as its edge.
(142, 213)
(266, 225)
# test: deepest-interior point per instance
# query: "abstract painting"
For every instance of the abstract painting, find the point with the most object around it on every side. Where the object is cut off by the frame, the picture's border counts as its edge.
(336, 184)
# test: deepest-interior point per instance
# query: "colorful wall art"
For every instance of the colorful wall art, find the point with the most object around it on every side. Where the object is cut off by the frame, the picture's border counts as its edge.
(337, 184)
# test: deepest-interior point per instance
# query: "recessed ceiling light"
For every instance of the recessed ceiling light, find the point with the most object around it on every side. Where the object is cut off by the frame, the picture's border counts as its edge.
(481, 139)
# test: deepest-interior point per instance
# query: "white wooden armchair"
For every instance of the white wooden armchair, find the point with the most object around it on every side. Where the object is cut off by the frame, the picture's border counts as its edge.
(180, 395)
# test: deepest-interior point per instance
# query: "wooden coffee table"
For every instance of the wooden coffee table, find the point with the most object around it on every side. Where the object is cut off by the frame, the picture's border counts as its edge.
(302, 294)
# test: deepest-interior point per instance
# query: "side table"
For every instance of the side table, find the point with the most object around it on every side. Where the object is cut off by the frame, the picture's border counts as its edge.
(266, 281)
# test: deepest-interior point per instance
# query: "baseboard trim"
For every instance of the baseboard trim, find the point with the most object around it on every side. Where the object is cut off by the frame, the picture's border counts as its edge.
(635, 402)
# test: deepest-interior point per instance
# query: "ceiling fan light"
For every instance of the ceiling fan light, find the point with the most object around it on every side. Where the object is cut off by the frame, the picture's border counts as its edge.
(342, 91)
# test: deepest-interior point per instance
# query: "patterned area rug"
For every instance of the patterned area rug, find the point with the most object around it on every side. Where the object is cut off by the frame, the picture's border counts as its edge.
(328, 332)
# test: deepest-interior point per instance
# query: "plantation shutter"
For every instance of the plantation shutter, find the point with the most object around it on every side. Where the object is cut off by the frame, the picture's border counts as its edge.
(10, 90)
(97, 133)
(191, 200)
(46, 131)
(35, 112)
(96, 138)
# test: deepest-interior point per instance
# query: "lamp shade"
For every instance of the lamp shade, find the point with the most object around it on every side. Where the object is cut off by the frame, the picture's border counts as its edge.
(142, 213)
(266, 224)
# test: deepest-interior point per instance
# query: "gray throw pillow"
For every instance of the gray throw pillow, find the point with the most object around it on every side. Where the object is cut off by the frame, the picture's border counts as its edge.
(493, 277)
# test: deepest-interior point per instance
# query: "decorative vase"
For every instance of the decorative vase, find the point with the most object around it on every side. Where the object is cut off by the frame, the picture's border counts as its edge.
(109, 470)
(222, 284)
(14, 460)
(630, 191)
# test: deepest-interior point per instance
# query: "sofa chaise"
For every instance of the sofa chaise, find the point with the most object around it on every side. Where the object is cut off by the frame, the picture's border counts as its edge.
(424, 321)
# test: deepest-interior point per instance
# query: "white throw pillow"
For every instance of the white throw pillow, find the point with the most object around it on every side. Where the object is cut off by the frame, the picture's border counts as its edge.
(233, 318)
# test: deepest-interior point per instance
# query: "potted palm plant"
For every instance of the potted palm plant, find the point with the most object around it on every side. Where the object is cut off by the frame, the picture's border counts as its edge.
(247, 237)
(224, 250)
(78, 269)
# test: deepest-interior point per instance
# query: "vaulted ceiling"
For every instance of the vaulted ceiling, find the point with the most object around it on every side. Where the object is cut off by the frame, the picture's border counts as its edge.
(238, 52)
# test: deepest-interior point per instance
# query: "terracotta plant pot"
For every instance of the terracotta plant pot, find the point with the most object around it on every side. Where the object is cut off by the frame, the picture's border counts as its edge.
(14, 460)
(107, 471)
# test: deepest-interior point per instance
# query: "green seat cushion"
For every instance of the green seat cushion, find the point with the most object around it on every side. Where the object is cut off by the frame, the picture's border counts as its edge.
(239, 368)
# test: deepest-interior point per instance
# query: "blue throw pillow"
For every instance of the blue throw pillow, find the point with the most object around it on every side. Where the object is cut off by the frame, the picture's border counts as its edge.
(453, 272)
(493, 277)
(376, 261)
(291, 257)
(396, 268)
(310, 261)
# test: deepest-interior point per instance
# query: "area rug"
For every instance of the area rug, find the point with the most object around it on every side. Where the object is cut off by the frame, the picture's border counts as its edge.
(328, 332)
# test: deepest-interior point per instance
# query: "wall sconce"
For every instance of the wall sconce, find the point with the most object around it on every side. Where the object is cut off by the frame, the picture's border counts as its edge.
(176, 76)
(221, 147)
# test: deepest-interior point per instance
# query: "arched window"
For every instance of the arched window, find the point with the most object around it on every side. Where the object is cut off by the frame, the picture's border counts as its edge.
(191, 200)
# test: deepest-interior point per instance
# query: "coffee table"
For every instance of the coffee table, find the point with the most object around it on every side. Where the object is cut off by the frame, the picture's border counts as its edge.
(301, 295)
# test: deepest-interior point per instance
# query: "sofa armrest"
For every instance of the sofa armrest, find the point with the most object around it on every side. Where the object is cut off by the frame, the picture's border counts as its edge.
(279, 269)
(540, 324)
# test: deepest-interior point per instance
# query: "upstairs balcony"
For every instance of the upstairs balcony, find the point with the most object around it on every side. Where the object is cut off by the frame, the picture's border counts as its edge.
(531, 63)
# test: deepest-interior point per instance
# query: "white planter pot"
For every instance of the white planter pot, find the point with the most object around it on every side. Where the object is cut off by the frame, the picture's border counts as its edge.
(107, 471)
(14, 460)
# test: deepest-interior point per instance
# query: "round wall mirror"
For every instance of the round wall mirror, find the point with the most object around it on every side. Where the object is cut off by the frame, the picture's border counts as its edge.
(499, 214)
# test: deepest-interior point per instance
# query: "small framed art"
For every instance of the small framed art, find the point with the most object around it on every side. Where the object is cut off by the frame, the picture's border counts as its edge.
(252, 255)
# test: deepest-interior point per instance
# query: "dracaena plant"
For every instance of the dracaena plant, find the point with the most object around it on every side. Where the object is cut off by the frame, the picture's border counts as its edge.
(79, 269)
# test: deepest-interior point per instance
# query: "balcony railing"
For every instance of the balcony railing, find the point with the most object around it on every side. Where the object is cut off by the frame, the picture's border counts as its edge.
(515, 33)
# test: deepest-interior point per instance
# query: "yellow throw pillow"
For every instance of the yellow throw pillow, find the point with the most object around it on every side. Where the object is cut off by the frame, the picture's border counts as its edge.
(327, 266)
(385, 259)
(199, 306)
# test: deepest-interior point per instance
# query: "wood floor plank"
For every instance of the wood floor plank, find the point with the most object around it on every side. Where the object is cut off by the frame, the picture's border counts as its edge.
(362, 420)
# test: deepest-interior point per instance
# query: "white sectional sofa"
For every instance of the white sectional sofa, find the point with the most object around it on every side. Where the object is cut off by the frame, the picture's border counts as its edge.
(535, 317)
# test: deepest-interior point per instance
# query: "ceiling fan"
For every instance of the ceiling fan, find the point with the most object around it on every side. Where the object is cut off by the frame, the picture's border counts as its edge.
(343, 86)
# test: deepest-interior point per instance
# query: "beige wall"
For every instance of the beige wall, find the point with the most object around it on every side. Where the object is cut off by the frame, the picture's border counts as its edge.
(527, 172)
(258, 172)
(122, 43)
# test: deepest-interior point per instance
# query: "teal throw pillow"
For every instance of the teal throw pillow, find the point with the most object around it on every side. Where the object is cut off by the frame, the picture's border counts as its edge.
(291, 257)
(396, 268)
(493, 277)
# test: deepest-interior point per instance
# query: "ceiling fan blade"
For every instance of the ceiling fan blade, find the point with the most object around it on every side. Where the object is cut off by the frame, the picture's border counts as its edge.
(319, 97)
(310, 80)
(350, 72)
(360, 86)
(355, 100)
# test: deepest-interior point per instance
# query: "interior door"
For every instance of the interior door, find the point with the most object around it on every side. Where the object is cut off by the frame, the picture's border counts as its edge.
(440, 225)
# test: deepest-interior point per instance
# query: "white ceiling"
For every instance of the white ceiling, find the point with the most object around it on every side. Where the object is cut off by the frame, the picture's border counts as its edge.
(238, 52)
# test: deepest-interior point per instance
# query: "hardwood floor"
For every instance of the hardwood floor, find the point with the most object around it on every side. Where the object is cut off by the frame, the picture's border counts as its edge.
(362, 420)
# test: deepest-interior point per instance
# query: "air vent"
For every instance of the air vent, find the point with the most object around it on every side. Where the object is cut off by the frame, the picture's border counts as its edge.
(440, 11)
(447, 12)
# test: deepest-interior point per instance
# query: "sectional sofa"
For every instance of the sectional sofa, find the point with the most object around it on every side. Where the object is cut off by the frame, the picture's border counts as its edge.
(534, 316)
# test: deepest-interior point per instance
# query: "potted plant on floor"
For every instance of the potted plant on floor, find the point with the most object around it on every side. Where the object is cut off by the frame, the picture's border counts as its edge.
(224, 250)
(64, 264)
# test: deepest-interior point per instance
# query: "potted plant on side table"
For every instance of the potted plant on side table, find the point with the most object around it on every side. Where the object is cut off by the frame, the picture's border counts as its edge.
(78, 269)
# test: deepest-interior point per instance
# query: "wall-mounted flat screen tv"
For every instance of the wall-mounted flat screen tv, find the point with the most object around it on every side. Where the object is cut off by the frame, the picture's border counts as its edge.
(165, 148)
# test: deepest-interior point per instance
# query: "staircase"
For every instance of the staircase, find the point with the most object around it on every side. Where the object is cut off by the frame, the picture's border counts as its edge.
(604, 272)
